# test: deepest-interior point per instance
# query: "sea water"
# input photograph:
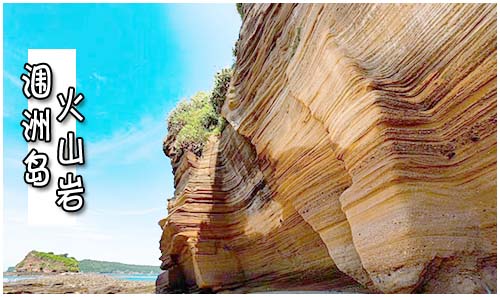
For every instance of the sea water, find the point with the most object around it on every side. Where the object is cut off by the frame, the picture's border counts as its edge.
(13, 278)
(134, 277)
(122, 276)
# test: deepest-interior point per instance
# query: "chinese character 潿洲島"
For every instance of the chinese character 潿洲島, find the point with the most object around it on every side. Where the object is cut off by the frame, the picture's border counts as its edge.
(38, 81)
(38, 127)
(37, 172)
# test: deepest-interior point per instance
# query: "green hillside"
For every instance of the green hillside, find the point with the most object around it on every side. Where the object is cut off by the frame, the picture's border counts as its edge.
(41, 262)
(115, 267)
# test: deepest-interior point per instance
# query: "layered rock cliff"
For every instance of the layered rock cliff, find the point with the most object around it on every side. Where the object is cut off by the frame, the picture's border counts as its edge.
(360, 155)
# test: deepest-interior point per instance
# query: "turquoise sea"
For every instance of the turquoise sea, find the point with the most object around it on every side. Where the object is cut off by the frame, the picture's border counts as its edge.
(134, 277)
(129, 277)
(13, 278)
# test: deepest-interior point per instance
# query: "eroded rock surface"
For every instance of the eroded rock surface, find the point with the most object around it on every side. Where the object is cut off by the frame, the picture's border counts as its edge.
(78, 283)
(360, 155)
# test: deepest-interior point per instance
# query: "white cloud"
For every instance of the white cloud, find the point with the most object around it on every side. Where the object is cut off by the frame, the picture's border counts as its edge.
(98, 77)
(14, 216)
(131, 144)
(129, 212)
(14, 154)
(15, 80)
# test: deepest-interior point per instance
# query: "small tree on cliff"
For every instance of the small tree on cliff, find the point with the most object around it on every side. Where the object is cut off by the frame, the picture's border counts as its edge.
(192, 122)
(221, 85)
(239, 8)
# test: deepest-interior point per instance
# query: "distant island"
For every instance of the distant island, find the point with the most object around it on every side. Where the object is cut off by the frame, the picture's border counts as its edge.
(116, 267)
(46, 272)
(36, 262)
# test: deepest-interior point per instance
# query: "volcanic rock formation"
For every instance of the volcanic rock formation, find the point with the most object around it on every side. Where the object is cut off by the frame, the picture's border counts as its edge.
(36, 262)
(360, 155)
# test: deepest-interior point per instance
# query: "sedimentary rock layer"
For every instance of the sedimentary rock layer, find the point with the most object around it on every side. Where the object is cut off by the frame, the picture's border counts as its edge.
(225, 231)
(360, 154)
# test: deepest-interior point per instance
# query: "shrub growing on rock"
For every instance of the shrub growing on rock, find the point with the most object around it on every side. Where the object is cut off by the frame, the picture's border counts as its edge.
(192, 122)
(221, 84)
(239, 8)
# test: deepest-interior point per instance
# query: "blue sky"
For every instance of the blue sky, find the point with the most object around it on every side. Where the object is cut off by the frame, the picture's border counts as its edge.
(134, 63)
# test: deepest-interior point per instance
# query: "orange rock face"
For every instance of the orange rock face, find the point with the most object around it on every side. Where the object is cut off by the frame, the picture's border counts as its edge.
(225, 230)
(360, 155)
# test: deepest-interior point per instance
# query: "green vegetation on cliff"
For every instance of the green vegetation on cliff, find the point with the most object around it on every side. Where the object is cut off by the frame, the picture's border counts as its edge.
(69, 262)
(42, 262)
(36, 261)
(115, 267)
(193, 121)
(239, 8)
(221, 85)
